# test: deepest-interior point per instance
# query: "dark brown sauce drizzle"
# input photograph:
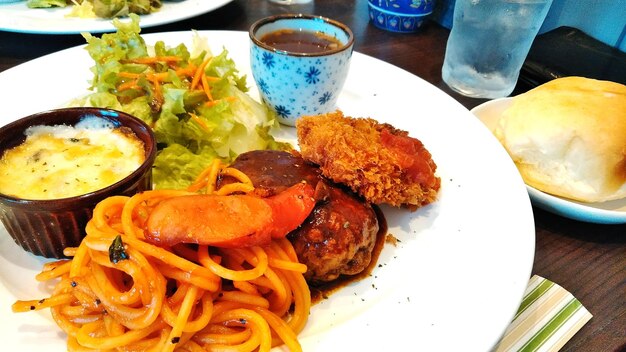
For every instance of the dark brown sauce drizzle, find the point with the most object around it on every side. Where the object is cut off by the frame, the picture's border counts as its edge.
(320, 291)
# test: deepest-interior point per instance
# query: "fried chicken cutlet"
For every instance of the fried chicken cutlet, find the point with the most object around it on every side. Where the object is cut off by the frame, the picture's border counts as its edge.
(377, 161)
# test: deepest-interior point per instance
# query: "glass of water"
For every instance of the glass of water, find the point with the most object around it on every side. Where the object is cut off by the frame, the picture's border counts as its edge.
(488, 44)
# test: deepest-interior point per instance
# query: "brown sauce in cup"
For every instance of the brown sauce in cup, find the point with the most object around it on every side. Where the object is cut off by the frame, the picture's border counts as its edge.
(301, 41)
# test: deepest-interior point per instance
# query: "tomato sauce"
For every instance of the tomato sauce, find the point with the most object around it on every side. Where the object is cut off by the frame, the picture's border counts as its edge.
(412, 156)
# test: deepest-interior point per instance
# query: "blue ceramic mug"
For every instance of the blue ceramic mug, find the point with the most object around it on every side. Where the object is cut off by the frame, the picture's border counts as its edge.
(404, 16)
(293, 81)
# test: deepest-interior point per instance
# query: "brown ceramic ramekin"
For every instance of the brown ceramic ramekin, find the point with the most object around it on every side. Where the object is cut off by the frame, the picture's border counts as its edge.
(46, 227)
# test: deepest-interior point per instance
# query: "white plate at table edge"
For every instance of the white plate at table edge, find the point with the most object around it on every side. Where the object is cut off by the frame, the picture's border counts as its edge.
(612, 212)
(457, 276)
(17, 17)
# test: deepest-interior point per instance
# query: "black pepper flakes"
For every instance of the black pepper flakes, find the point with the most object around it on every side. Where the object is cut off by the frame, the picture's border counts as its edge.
(175, 340)
(73, 284)
(243, 321)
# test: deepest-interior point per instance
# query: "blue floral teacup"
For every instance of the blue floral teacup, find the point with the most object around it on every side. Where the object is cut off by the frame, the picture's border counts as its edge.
(293, 80)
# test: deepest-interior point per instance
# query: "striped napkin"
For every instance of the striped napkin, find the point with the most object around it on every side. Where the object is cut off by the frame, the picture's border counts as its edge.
(547, 318)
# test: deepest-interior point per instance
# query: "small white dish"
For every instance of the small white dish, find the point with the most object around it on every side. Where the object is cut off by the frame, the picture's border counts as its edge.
(612, 212)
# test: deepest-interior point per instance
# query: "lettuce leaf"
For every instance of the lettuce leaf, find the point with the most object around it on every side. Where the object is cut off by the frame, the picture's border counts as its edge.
(101, 8)
(33, 4)
(180, 161)
(190, 130)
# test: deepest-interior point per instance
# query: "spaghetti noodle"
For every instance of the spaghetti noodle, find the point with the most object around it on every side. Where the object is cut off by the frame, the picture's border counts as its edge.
(121, 293)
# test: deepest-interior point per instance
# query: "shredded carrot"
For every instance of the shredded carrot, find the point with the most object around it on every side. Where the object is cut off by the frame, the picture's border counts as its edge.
(215, 102)
(161, 76)
(199, 121)
(206, 88)
(128, 75)
(128, 85)
(196, 73)
(191, 66)
(158, 94)
(154, 59)
(199, 73)
(186, 71)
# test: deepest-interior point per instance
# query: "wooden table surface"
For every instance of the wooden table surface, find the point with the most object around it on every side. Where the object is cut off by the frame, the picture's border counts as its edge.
(589, 260)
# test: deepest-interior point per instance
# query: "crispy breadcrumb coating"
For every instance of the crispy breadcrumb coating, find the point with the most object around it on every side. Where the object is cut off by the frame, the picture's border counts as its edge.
(377, 161)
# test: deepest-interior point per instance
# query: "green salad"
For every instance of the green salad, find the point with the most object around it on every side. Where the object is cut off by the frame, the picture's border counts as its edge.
(102, 8)
(196, 103)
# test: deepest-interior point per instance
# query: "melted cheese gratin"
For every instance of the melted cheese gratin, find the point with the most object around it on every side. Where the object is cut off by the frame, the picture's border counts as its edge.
(64, 161)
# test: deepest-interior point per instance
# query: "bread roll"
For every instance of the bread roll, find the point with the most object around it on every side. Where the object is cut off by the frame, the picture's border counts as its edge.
(568, 138)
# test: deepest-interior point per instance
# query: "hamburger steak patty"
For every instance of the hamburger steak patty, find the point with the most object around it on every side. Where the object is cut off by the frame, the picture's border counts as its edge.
(339, 235)
(273, 171)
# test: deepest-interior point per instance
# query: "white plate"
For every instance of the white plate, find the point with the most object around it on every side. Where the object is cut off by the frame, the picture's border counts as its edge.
(613, 212)
(16, 17)
(455, 279)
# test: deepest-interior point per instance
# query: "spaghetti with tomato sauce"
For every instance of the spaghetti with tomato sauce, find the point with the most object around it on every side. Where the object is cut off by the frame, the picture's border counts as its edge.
(120, 291)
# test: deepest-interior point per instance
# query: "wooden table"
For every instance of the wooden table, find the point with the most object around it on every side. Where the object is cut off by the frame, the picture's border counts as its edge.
(588, 260)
